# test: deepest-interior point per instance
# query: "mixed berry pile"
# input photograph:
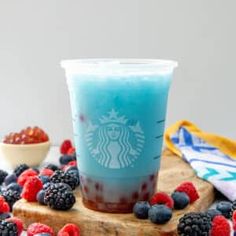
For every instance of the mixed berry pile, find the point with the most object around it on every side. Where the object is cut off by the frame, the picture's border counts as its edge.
(214, 222)
(28, 135)
(13, 226)
(53, 186)
(50, 185)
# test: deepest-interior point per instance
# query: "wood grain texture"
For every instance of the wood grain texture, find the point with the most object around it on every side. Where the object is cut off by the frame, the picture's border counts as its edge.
(173, 171)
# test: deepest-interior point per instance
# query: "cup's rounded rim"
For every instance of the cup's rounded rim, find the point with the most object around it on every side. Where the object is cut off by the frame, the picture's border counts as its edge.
(118, 65)
(25, 145)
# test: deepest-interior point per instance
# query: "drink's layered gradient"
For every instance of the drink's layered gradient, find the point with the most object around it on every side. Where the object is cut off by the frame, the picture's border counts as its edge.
(118, 123)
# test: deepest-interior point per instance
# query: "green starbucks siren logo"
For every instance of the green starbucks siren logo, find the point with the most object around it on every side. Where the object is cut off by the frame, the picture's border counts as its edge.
(115, 142)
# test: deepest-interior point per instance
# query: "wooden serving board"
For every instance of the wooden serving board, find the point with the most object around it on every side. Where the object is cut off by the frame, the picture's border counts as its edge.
(173, 171)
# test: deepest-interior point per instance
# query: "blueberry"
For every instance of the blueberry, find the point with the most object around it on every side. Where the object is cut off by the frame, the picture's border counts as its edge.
(11, 178)
(141, 209)
(65, 159)
(4, 216)
(213, 212)
(45, 179)
(159, 214)
(42, 234)
(15, 187)
(45, 186)
(181, 200)
(225, 208)
(40, 197)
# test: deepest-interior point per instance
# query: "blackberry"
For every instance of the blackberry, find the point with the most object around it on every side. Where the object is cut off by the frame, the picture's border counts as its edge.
(3, 175)
(20, 169)
(14, 187)
(233, 208)
(194, 224)
(74, 172)
(11, 197)
(60, 176)
(8, 228)
(51, 167)
(59, 196)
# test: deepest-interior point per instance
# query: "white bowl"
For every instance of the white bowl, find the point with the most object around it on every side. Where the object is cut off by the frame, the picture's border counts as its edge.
(30, 154)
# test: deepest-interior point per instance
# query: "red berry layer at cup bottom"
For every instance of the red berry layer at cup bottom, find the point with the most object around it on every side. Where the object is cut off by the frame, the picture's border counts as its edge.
(116, 196)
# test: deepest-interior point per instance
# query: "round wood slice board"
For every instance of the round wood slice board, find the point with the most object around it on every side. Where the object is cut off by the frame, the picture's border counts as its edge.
(173, 171)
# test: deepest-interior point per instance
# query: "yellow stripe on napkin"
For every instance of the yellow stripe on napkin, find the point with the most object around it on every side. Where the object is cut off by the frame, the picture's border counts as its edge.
(225, 145)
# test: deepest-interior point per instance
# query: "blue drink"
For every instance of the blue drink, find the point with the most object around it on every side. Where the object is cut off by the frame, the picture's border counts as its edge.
(118, 109)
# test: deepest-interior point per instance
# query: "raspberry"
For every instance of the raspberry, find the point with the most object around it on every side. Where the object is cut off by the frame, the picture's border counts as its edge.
(234, 220)
(220, 226)
(71, 151)
(25, 175)
(32, 186)
(46, 172)
(69, 230)
(72, 163)
(4, 207)
(189, 189)
(162, 198)
(65, 146)
(18, 222)
(37, 228)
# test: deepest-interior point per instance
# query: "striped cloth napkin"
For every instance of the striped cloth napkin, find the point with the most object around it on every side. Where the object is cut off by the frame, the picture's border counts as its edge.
(211, 156)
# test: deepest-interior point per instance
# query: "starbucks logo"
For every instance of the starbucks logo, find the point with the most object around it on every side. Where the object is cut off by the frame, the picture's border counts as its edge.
(115, 142)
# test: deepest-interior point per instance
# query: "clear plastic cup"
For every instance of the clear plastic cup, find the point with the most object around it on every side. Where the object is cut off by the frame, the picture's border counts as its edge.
(118, 112)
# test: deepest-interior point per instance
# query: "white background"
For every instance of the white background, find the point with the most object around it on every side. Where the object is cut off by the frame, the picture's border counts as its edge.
(36, 35)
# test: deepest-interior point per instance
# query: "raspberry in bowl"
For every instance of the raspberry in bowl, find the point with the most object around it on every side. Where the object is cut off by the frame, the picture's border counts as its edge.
(29, 146)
